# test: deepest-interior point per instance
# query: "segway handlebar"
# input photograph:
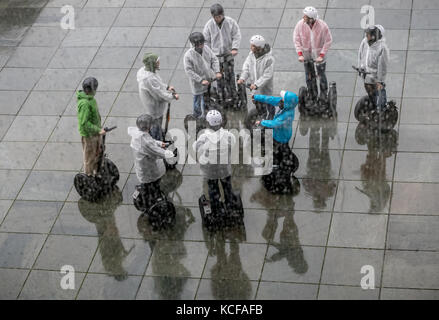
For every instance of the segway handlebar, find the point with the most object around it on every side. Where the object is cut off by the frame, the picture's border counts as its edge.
(361, 71)
(106, 129)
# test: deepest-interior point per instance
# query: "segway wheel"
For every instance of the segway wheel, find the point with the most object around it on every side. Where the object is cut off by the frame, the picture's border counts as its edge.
(361, 134)
(361, 111)
(112, 171)
(162, 214)
(302, 99)
(332, 100)
(86, 187)
(295, 162)
(138, 200)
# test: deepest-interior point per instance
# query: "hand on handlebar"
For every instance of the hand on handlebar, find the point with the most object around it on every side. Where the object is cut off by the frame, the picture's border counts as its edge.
(253, 86)
(205, 83)
(319, 59)
(240, 81)
(301, 59)
(219, 75)
(102, 132)
(234, 52)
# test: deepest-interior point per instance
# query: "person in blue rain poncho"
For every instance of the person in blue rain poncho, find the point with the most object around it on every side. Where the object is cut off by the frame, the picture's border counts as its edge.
(282, 123)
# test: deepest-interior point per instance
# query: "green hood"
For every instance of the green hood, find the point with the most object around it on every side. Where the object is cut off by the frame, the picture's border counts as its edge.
(82, 95)
(150, 60)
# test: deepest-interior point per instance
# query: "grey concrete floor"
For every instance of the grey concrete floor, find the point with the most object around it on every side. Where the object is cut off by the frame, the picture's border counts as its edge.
(362, 201)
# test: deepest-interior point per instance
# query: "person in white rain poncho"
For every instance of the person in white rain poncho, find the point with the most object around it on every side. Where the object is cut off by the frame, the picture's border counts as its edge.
(214, 148)
(149, 154)
(258, 70)
(201, 66)
(373, 57)
(154, 93)
(223, 36)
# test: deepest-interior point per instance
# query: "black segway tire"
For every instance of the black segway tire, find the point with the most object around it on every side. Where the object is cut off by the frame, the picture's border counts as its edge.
(87, 187)
(361, 111)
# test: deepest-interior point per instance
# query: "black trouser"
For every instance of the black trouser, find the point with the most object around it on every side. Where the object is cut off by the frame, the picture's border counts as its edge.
(151, 192)
(378, 98)
(311, 80)
(228, 80)
(214, 192)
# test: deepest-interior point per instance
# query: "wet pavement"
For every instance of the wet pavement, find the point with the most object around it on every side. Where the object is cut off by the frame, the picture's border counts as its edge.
(364, 200)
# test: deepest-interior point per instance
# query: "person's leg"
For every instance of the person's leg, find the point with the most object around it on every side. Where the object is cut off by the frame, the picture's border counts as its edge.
(311, 81)
(321, 71)
(91, 152)
(214, 194)
(156, 129)
(382, 97)
(227, 188)
(199, 105)
(371, 92)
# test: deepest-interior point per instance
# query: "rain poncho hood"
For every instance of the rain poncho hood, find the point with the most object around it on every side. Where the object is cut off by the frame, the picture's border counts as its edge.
(282, 124)
(222, 39)
(199, 67)
(89, 119)
(260, 70)
(150, 61)
(214, 149)
(312, 42)
(374, 58)
(153, 93)
(148, 156)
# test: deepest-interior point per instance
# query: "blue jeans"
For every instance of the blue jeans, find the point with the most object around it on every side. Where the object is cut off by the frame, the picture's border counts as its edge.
(156, 129)
(377, 97)
(199, 105)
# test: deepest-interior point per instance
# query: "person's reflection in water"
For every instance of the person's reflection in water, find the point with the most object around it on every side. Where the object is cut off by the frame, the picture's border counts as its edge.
(289, 246)
(317, 179)
(380, 146)
(111, 248)
(167, 246)
(229, 280)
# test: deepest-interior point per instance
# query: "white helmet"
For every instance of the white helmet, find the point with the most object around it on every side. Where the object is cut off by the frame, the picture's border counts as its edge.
(381, 28)
(311, 12)
(258, 41)
(214, 118)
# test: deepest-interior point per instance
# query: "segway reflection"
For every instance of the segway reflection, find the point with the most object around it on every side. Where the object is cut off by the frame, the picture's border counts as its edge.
(318, 180)
(92, 188)
(111, 247)
(380, 147)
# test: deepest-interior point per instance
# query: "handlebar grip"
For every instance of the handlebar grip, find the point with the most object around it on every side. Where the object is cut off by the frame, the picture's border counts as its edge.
(106, 129)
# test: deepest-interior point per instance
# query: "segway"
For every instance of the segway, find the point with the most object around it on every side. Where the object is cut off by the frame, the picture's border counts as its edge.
(281, 179)
(310, 103)
(93, 188)
(367, 113)
(211, 102)
(227, 96)
(228, 216)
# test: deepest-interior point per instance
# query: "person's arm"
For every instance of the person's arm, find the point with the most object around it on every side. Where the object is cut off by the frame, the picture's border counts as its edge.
(274, 101)
(275, 123)
(383, 61)
(200, 143)
(360, 52)
(206, 33)
(189, 69)
(236, 36)
(267, 75)
(151, 148)
(297, 39)
(84, 113)
(156, 89)
(328, 40)
(214, 62)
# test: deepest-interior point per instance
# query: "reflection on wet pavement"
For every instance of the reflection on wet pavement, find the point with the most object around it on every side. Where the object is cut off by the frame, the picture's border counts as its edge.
(364, 198)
